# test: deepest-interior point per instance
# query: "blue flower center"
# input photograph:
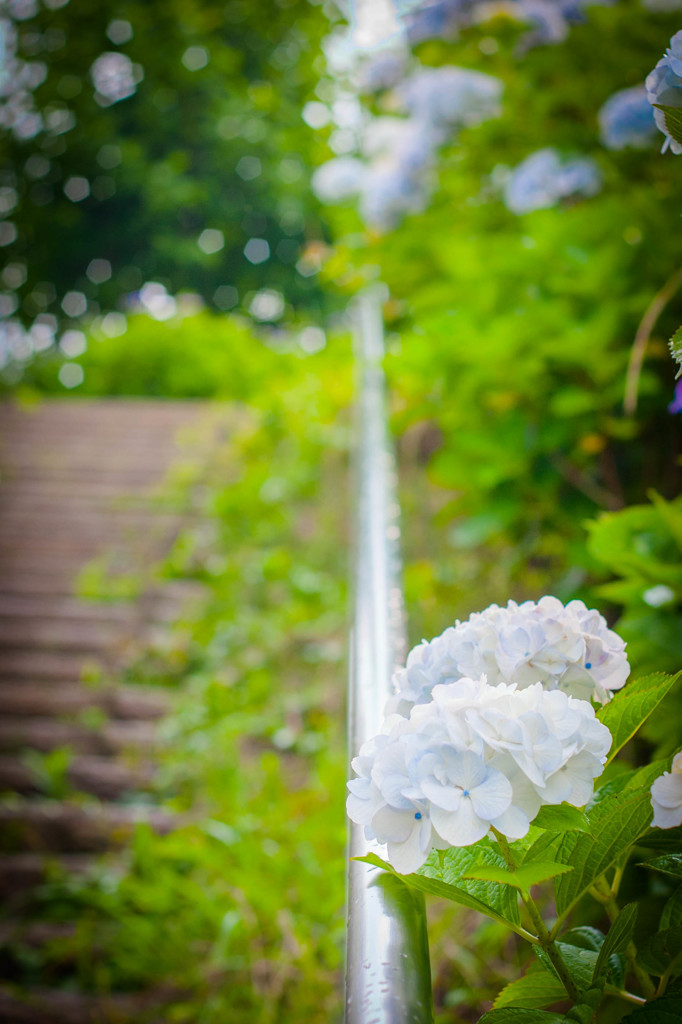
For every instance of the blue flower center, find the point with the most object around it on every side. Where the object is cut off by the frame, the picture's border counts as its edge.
(465, 792)
(418, 815)
(588, 664)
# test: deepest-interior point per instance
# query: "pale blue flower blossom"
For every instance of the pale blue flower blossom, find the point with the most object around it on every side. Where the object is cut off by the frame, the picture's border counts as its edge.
(542, 180)
(666, 796)
(466, 795)
(475, 757)
(338, 179)
(447, 97)
(664, 87)
(569, 648)
(627, 119)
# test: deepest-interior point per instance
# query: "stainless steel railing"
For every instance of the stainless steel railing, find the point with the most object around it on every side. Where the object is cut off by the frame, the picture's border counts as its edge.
(388, 978)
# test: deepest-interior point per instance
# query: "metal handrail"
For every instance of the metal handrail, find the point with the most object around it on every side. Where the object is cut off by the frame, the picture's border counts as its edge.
(388, 977)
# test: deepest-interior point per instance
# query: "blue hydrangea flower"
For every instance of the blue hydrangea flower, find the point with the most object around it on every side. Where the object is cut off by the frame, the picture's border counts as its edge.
(542, 180)
(627, 119)
(447, 97)
(664, 86)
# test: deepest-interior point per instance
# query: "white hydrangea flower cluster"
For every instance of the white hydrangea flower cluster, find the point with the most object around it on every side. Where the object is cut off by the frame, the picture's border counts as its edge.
(666, 796)
(475, 756)
(569, 648)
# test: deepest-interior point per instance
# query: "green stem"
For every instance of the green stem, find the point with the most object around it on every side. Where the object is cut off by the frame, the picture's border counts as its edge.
(604, 895)
(544, 937)
(621, 993)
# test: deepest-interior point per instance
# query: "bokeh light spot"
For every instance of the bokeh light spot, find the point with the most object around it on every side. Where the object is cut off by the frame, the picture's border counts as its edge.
(74, 304)
(71, 375)
(211, 240)
(195, 58)
(76, 188)
(98, 271)
(257, 250)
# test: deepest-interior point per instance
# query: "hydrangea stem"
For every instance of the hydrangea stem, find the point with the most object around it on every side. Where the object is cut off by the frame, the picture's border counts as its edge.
(544, 938)
(605, 895)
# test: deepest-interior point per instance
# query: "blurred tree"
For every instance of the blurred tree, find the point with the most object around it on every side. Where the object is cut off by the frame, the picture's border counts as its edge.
(155, 141)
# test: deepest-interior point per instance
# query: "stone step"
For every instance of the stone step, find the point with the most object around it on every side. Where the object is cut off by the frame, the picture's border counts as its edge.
(50, 826)
(34, 933)
(61, 1006)
(20, 872)
(102, 777)
(63, 634)
(46, 665)
(45, 734)
(30, 606)
(22, 698)
(149, 607)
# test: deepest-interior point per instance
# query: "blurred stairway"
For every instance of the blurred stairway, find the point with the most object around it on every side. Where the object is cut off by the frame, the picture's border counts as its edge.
(77, 482)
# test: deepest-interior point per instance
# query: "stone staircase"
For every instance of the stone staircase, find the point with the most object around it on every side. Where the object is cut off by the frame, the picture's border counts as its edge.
(79, 480)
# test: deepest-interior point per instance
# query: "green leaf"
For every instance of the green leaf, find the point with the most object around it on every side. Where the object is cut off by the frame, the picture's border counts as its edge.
(561, 818)
(662, 952)
(673, 120)
(543, 848)
(454, 863)
(676, 349)
(617, 939)
(632, 705)
(523, 877)
(545, 961)
(668, 864)
(584, 937)
(517, 1015)
(436, 887)
(534, 991)
(580, 963)
(672, 911)
(667, 1010)
(616, 822)
(662, 838)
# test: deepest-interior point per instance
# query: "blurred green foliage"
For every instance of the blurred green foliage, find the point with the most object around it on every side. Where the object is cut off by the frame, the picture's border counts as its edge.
(200, 356)
(509, 342)
(211, 137)
(510, 336)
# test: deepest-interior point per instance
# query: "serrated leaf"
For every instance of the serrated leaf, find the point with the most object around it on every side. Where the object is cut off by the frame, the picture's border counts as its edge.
(534, 991)
(561, 818)
(668, 864)
(580, 964)
(617, 939)
(517, 1015)
(667, 1010)
(631, 707)
(545, 961)
(616, 822)
(524, 876)
(676, 349)
(584, 937)
(662, 838)
(436, 887)
(672, 911)
(454, 863)
(543, 848)
(673, 120)
(662, 952)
